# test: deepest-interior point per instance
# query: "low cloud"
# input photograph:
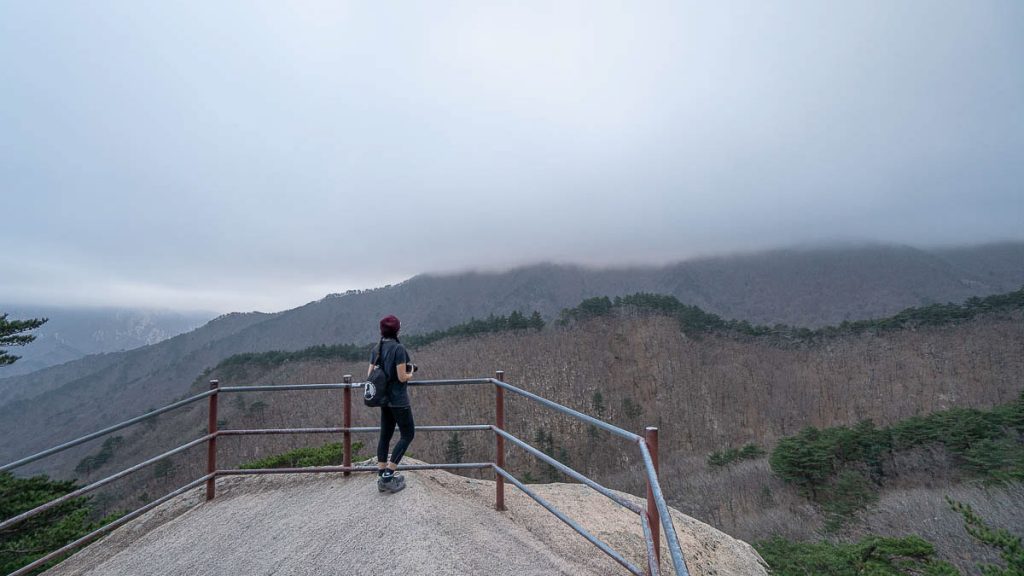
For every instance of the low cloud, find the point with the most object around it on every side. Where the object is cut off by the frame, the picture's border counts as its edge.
(234, 157)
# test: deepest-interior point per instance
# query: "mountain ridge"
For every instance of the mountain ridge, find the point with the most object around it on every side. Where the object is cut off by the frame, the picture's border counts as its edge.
(73, 333)
(831, 285)
(705, 392)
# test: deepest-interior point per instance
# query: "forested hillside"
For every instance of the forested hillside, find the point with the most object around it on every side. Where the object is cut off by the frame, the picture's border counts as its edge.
(724, 394)
(806, 288)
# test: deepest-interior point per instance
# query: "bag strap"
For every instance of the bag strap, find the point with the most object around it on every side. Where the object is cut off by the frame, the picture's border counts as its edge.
(380, 354)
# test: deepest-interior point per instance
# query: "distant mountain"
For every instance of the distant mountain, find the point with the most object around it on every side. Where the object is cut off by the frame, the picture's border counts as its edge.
(801, 287)
(707, 388)
(72, 333)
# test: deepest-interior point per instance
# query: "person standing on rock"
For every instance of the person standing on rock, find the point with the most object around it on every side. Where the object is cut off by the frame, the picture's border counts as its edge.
(397, 410)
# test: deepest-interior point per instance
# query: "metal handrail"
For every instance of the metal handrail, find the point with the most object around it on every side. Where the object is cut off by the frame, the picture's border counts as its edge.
(354, 430)
(666, 518)
(655, 492)
(568, 411)
(97, 434)
(108, 527)
(570, 472)
(326, 469)
(652, 554)
(99, 483)
(558, 514)
(283, 387)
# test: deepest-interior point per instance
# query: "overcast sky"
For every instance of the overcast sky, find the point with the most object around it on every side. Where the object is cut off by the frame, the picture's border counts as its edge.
(258, 155)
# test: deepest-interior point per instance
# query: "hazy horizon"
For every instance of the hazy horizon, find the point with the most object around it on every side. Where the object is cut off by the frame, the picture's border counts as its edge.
(255, 156)
(302, 300)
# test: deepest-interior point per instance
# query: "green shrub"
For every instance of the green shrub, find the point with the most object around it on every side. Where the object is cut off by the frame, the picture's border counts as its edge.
(597, 403)
(877, 556)
(691, 318)
(492, 324)
(95, 461)
(454, 449)
(331, 454)
(235, 366)
(849, 493)
(986, 444)
(545, 442)
(162, 468)
(695, 321)
(630, 409)
(274, 358)
(36, 537)
(1008, 545)
(730, 455)
(805, 460)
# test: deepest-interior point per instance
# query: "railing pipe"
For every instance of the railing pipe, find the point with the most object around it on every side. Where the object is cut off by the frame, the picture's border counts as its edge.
(283, 387)
(98, 484)
(346, 421)
(353, 430)
(337, 385)
(272, 431)
(558, 514)
(453, 382)
(666, 518)
(499, 442)
(566, 410)
(94, 435)
(107, 528)
(653, 558)
(325, 469)
(648, 446)
(211, 446)
(651, 438)
(571, 473)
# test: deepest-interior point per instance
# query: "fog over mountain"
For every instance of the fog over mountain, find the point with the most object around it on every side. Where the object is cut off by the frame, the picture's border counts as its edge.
(225, 156)
(71, 333)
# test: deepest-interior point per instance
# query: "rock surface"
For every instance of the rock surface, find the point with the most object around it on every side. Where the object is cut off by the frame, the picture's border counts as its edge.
(442, 524)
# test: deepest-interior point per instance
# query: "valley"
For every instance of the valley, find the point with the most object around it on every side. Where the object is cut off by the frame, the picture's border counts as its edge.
(707, 391)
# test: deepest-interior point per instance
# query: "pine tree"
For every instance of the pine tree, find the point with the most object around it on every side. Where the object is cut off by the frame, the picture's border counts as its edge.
(454, 449)
(597, 401)
(33, 538)
(11, 335)
(545, 442)
(516, 321)
(1009, 545)
(631, 409)
(536, 322)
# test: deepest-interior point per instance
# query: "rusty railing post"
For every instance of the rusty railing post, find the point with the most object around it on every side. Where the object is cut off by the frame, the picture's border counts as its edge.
(499, 441)
(211, 445)
(651, 438)
(346, 419)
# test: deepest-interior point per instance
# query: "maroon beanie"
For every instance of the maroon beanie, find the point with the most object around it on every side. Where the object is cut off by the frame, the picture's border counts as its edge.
(389, 326)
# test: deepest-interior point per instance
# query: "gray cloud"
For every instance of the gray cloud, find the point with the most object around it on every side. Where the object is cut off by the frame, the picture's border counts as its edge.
(259, 155)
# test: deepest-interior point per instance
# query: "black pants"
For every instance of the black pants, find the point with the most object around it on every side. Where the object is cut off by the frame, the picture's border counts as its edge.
(389, 416)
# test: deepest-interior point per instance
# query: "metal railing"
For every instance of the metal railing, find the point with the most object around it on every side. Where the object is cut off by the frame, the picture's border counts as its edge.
(655, 517)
